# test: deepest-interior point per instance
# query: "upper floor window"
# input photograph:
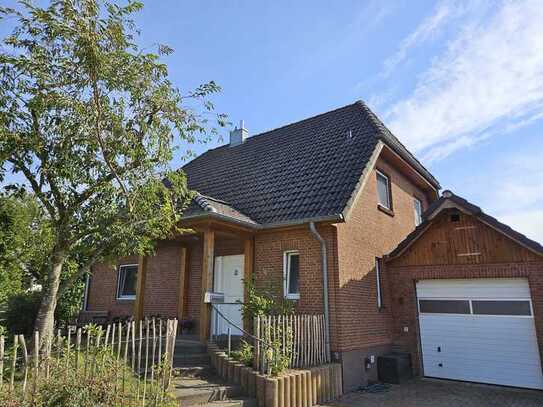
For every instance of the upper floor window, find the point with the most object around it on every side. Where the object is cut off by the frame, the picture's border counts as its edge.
(418, 211)
(383, 190)
(291, 274)
(126, 286)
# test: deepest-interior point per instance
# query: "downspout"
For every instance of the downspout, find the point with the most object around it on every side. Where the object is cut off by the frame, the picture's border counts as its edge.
(324, 263)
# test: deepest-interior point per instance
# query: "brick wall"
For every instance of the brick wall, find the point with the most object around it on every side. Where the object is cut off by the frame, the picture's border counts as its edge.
(103, 289)
(162, 283)
(401, 282)
(269, 249)
(367, 233)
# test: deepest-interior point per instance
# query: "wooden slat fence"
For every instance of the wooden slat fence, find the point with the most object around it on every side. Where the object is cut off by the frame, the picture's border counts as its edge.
(142, 354)
(298, 341)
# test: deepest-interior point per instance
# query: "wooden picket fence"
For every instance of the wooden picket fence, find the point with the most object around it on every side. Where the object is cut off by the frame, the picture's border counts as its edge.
(141, 353)
(299, 338)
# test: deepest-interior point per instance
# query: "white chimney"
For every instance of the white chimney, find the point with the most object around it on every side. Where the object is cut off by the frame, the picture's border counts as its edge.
(238, 135)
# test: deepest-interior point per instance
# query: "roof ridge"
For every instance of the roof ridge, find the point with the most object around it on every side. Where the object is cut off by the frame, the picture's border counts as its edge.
(384, 130)
(305, 119)
(202, 203)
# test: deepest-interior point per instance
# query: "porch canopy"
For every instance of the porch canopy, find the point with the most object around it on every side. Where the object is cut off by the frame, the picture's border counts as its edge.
(207, 220)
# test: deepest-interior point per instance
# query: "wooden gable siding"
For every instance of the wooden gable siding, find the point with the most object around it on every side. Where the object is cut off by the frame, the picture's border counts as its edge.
(468, 241)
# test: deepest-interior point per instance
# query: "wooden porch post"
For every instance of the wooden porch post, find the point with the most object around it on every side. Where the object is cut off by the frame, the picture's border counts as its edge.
(207, 282)
(183, 274)
(248, 251)
(140, 288)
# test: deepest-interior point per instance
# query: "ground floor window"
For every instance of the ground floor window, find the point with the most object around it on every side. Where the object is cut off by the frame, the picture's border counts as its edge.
(126, 287)
(291, 274)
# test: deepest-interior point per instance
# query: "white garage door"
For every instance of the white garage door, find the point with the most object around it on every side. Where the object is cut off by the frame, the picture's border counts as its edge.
(479, 330)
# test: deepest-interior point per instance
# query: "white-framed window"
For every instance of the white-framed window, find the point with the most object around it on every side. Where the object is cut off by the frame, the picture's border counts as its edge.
(383, 190)
(126, 281)
(291, 274)
(417, 203)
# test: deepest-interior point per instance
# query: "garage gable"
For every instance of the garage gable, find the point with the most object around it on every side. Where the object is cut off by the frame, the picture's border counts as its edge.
(455, 235)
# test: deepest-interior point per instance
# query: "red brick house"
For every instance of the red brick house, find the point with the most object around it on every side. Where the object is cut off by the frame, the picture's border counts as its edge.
(309, 209)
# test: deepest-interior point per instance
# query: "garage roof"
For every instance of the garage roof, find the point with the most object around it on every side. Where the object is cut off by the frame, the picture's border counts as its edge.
(450, 200)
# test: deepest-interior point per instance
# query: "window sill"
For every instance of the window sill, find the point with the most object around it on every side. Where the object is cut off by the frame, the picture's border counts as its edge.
(292, 297)
(389, 212)
(126, 299)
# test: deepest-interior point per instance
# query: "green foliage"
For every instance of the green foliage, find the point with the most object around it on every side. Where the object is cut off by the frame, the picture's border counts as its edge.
(22, 309)
(244, 354)
(21, 313)
(68, 387)
(25, 243)
(261, 302)
(92, 122)
(278, 356)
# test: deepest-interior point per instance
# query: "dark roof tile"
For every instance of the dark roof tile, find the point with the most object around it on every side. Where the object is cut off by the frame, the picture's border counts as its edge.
(303, 170)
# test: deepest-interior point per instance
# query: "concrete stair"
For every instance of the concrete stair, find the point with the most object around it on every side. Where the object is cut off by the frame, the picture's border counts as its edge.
(195, 382)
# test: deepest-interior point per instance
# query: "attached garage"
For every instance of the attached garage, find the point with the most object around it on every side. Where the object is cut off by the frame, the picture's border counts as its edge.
(479, 330)
(466, 295)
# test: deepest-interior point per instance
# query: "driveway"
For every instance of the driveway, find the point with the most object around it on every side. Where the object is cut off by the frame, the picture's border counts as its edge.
(441, 393)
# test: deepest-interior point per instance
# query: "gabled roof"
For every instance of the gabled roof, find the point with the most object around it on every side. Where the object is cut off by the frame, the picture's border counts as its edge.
(307, 170)
(450, 200)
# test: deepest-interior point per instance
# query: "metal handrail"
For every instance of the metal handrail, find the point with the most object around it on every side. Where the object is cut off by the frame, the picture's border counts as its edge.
(238, 327)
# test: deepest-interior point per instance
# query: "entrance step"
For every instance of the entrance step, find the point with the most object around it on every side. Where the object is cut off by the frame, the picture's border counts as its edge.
(238, 402)
(194, 371)
(183, 345)
(191, 392)
(195, 382)
(189, 360)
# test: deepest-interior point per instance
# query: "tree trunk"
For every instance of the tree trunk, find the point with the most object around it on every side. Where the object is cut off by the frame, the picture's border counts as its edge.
(45, 320)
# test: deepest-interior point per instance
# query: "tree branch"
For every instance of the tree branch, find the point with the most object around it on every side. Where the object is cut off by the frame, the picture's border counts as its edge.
(35, 186)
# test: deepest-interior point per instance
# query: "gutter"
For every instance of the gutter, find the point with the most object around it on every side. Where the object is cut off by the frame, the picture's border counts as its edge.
(258, 226)
(324, 263)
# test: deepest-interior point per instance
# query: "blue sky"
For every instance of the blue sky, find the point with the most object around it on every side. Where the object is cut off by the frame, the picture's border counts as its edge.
(459, 82)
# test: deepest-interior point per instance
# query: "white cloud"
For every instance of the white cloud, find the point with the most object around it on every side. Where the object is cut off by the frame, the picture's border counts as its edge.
(489, 78)
(512, 191)
(443, 13)
(529, 223)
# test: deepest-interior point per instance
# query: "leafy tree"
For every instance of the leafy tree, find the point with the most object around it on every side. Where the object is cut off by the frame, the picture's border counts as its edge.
(25, 245)
(92, 121)
(25, 240)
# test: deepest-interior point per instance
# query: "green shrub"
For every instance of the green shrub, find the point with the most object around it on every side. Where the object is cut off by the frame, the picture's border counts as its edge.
(108, 382)
(22, 309)
(21, 313)
(244, 354)
(265, 301)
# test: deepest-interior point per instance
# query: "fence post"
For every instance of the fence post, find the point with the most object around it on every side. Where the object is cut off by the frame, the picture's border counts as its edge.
(120, 340)
(77, 349)
(36, 363)
(256, 325)
(146, 359)
(174, 338)
(25, 356)
(2, 344)
(87, 351)
(13, 362)
(229, 340)
(140, 324)
(153, 357)
(133, 345)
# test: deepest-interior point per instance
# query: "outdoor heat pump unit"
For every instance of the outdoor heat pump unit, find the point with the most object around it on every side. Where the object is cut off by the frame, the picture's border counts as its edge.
(213, 298)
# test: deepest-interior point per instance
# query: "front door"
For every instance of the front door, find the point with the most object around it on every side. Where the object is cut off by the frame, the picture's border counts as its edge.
(228, 279)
